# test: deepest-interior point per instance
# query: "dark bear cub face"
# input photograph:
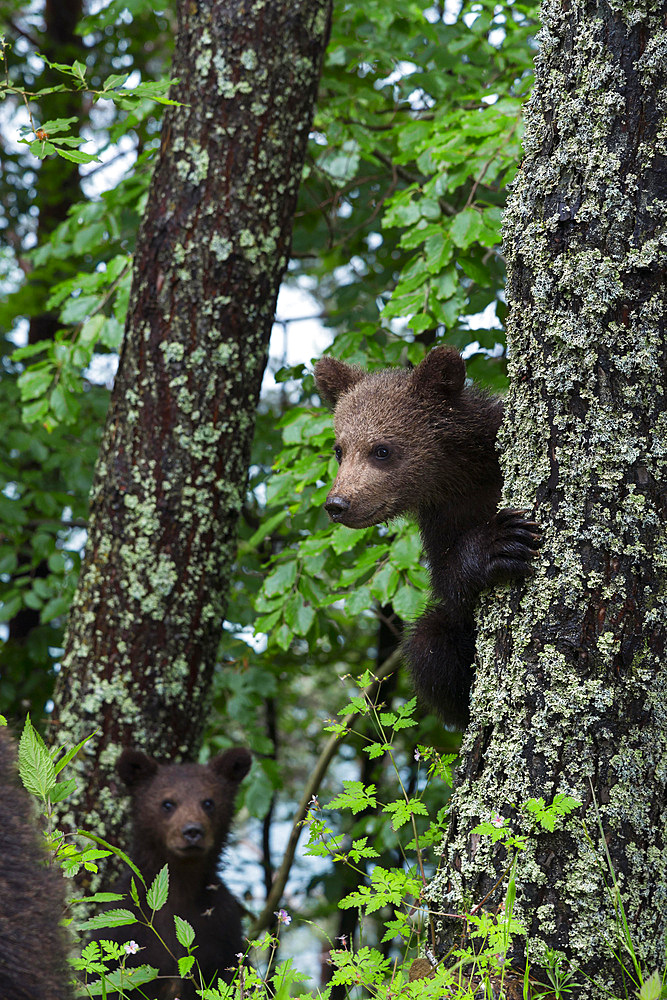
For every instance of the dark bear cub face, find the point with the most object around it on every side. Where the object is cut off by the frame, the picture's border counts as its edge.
(391, 429)
(183, 811)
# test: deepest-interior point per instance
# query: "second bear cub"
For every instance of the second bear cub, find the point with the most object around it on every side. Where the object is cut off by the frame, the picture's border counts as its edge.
(420, 441)
(181, 815)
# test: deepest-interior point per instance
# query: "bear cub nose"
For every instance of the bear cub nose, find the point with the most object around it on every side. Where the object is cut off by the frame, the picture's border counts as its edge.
(336, 507)
(193, 833)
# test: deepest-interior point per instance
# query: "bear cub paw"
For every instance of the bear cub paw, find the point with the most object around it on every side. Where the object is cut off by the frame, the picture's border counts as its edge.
(514, 544)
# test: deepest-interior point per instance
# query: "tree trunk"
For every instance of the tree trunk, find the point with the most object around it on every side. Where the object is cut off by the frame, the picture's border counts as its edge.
(571, 688)
(146, 621)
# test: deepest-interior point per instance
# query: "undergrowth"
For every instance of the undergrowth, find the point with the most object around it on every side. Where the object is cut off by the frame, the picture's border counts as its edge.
(406, 960)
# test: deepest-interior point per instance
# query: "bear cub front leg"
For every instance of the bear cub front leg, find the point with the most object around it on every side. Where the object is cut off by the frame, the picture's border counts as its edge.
(441, 647)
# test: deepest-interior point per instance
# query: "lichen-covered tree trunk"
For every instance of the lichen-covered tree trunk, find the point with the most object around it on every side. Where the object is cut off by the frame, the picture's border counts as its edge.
(146, 621)
(571, 688)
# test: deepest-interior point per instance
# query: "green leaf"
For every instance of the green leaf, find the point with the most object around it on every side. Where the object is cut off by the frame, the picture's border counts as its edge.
(61, 790)
(185, 964)
(90, 331)
(35, 381)
(409, 603)
(402, 811)
(406, 550)
(385, 583)
(123, 980)
(120, 854)
(110, 918)
(465, 227)
(35, 764)
(652, 988)
(344, 539)
(356, 797)
(268, 525)
(185, 934)
(34, 411)
(57, 125)
(282, 579)
(358, 601)
(114, 81)
(156, 897)
(77, 156)
(57, 607)
(70, 754)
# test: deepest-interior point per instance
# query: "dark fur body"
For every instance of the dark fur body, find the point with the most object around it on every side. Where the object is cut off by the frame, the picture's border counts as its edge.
(32, 944)
(421, 442)
(181, 815)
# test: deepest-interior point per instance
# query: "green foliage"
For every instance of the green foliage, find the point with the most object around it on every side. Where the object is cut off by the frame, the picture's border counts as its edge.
(396, 893)
(64, 275)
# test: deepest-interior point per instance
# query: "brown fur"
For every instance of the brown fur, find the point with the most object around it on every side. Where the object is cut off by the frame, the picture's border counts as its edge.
(421, 442)
(181, 816)
(32, 943)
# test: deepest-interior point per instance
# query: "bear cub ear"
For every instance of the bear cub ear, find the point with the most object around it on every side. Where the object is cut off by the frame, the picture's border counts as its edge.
(442, 373)
(233, 764)
(135, 766)
(333, 378)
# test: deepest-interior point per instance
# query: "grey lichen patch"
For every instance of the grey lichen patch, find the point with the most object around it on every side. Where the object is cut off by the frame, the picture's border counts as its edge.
(221, 247)
(249, 59)
(204, 54)
(172, 350)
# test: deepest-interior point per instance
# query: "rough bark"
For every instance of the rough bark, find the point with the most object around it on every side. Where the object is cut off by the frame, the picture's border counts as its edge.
(146, 621)
(571, 688)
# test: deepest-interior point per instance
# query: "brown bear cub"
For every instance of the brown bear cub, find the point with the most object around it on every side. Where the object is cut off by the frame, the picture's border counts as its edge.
(181, 816)
(32, 900)
(419, 441)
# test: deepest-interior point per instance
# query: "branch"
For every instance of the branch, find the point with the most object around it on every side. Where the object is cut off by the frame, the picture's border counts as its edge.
(266, 917)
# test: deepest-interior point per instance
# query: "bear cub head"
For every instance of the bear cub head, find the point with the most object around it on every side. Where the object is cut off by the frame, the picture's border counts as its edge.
(181, 812)
(408, 439)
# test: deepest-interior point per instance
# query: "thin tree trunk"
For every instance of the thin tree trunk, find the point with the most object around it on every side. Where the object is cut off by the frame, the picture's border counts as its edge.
(146, 621)
(571, 690)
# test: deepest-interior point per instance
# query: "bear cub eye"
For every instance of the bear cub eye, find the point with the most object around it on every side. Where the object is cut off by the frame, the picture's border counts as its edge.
(208, 805)
(168, 805)
(381, 451)
(338, 452)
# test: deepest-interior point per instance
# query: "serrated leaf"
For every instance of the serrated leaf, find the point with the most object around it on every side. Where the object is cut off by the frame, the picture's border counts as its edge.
(359, 600)
(122, 980)
(61, 790)
(185, 934)
(157, 895)
(465, 227)
(35, 381)
(114, 81)
(282, 579)
(57, 125)
(35, 765)
(344, 539)
(408, 602)
(651, 988)
(110, 918)
(384, 583)
(356, 797)
(185, 965)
